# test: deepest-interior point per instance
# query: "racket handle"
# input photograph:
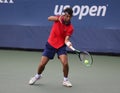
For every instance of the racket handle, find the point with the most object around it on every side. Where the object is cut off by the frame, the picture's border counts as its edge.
(72, 48)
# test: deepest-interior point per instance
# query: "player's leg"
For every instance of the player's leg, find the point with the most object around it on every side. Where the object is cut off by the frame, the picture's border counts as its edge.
(49, 53)
(64, 60)
(41, 67)
(43, 62)
(62, 54)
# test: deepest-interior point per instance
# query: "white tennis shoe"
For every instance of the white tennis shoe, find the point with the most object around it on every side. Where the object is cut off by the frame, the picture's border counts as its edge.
(33, 80)
(67, 83)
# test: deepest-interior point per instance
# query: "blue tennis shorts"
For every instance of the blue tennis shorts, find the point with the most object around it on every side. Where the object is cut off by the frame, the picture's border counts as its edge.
(50, 51)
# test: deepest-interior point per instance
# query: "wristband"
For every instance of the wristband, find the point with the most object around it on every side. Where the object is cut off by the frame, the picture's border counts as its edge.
(68, 43)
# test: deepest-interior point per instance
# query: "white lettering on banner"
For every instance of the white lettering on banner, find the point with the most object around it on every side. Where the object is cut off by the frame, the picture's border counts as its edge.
(6, 1)
(83, 10)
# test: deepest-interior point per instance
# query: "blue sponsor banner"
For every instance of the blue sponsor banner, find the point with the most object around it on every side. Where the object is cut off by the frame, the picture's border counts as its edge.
(24, 24)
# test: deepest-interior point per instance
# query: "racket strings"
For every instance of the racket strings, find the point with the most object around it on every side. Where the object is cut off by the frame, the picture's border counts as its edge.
(86, 57)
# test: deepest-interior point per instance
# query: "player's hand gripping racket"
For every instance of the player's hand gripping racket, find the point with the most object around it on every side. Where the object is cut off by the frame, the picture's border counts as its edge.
(84, 57)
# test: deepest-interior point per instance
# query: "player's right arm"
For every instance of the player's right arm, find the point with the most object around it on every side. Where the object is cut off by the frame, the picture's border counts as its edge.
(55, 18)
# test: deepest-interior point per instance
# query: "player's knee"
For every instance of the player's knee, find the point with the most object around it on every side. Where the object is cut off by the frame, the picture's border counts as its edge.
(65, 64)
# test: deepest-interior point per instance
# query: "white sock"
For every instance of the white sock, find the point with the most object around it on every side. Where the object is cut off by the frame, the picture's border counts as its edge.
(38, 75)
(65, 78)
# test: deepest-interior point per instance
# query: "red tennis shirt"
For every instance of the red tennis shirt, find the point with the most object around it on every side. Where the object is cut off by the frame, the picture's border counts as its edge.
(58, 33)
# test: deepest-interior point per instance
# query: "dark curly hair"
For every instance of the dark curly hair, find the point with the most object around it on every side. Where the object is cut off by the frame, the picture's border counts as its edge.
(69, 11)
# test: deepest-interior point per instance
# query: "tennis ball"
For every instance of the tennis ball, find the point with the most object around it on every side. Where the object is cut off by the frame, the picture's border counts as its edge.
(86, 62)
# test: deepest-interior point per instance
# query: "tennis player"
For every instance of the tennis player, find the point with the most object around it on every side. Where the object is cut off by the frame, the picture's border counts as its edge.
(59, 38)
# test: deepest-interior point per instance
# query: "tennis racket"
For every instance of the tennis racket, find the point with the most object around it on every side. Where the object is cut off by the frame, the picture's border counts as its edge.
(84, 57)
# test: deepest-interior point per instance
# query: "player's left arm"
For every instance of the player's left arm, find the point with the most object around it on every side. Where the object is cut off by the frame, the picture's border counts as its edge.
(67, 38)
(68, 42)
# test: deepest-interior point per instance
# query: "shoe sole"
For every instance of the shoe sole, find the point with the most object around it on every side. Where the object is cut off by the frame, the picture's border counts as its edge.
(66, 85)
